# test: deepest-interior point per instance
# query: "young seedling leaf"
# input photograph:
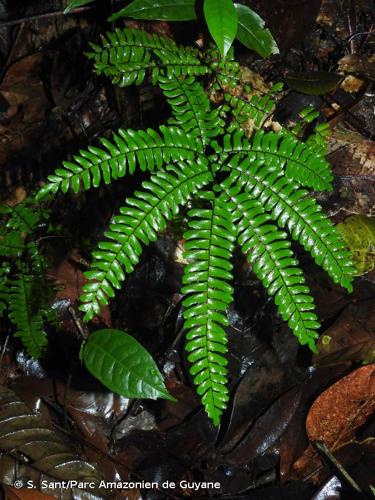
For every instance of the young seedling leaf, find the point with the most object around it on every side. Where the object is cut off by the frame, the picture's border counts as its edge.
(73, 4)
(161, 10)
(123, 365)
(252, 33)
(221, 18)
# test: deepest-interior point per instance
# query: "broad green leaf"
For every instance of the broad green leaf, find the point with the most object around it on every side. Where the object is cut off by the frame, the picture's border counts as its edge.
(221, 18)
(161, 10)
(73, 4)
(359, 233)
(252, 33)
(121, 363)
(313, 82)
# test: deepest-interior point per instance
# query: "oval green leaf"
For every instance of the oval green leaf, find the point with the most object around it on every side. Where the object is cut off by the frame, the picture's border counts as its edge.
(123, 365)
(159, 10)
(73, 4)
(221, 18)
(313, 82)
(252, 33)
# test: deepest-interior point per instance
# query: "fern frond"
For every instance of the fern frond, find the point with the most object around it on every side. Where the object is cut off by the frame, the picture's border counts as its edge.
(127, 55)
(21, 221)
(301, 214)
(4, 287)
(146, 149)
(283, 153)
(26, 314)
(257, 109)
(208, 248)
(139, 222)
(272, 260)
(191, 108)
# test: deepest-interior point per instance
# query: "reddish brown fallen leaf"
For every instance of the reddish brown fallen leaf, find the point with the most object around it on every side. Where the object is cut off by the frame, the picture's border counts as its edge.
(336, 415)
(12, 493)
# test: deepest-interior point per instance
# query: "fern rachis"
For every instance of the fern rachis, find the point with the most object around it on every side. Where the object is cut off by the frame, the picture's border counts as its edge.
(250, 185)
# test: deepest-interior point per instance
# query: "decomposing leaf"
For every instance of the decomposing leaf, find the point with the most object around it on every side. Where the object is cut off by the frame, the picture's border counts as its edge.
(359, 233)
(350, 338)
(12, 493)
(336, 415)
(314, 82)
(32, 451)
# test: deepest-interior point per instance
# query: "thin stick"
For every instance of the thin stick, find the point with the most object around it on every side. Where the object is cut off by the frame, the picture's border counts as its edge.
(47, 15)
(323, 450)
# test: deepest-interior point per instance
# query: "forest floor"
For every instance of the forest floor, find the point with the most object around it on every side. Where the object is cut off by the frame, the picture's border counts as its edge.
(299, 426)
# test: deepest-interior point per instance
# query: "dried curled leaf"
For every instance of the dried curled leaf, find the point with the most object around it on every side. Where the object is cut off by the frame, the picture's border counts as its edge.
(33, 452)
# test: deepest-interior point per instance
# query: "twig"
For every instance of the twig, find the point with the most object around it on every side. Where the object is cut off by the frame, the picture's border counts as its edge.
(323, 450)
(46, 15)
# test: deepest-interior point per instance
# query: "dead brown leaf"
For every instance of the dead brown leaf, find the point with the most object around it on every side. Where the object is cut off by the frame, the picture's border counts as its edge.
(336, 415)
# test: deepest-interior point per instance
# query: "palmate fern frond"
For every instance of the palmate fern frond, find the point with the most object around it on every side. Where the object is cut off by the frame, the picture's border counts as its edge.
(269, 252)
(25, 312)
(145, 149)
(139, 222)
(127, 55)
(191, 108)
(208, 248)
(294, 209)
(282, 152)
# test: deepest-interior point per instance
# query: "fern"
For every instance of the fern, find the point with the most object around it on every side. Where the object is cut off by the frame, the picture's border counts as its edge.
(25, 313)
(253, 195)
(24, 290)
(4, 287)
(209, 246)
(128, 55)
(139, 222)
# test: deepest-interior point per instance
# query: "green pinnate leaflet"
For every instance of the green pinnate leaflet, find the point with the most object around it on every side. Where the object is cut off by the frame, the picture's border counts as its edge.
(246, 190)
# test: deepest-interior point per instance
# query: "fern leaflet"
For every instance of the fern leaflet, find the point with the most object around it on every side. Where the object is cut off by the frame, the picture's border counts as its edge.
(139, 222)
(209, 247)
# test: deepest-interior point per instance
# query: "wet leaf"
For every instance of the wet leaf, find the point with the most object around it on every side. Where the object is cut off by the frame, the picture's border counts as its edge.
(24, 434)
(160, 10)
(252, 33)
(336, 415)
(359, 233)
(73, 4)
(12, 493)
(340, 410)
(123, 365)
(313, 83)
(350, 338)
(221, 18)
